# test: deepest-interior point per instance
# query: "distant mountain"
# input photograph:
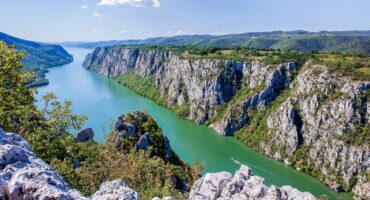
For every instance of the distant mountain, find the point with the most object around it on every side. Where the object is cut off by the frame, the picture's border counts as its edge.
(343, 41)
(39, 56)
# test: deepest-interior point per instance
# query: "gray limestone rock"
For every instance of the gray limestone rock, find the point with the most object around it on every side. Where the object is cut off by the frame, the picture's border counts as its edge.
(23, 176)
(242, 186)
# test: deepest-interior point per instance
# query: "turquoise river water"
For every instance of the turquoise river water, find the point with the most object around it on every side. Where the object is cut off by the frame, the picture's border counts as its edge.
(103, 100)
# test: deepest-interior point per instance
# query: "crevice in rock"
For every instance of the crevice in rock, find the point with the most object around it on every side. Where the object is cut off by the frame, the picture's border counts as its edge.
(297, 120)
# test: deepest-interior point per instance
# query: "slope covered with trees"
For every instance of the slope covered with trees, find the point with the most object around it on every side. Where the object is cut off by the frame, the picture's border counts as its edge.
(342, 41)
(39, 56)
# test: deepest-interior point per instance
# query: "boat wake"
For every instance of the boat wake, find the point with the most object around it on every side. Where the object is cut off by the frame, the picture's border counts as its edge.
(236, 161)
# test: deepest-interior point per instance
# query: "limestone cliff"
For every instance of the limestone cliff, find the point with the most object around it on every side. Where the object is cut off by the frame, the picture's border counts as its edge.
(306, 116)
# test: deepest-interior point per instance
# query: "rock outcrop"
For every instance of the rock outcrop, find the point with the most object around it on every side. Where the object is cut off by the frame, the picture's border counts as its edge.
(242, 186)
(24, 176)
(140, 131)
(309, 117)
(85, 135)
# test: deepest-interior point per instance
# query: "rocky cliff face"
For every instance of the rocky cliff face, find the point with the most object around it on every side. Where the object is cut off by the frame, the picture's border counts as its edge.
(322, 115)
(24, 176)
(205, 84)
(305, 116)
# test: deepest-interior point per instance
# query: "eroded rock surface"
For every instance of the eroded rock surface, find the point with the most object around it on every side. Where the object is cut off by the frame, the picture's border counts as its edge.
(242, 186)
(23, 176)
(321, 116)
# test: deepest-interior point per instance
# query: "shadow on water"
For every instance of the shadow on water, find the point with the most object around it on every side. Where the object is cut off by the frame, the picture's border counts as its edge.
(103, 100)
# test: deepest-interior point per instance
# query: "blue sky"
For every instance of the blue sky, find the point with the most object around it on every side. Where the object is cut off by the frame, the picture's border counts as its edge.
(93, 20)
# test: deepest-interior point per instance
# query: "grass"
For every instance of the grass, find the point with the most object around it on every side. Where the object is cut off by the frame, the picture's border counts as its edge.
(356, 67)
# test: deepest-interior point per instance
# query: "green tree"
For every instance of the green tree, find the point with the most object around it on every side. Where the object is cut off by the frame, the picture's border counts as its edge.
(18, 112)
(59, 116)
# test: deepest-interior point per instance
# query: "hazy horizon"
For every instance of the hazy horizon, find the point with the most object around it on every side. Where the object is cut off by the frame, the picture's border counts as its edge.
(101, 20)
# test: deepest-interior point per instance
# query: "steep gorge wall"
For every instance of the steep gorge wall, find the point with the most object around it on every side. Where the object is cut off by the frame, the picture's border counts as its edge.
(205, 84)
(307, 117)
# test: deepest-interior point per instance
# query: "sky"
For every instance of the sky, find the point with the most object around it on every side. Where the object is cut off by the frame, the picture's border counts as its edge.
(98, 20)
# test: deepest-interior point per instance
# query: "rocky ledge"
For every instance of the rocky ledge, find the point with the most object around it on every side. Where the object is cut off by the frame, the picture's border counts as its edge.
(242, 186)
(24, 176)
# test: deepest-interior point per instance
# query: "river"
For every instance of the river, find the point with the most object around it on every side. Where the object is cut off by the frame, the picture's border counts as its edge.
(103, 100)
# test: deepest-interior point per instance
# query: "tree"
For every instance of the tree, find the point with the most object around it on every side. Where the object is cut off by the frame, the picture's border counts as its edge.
(59, 116)
(18, 112)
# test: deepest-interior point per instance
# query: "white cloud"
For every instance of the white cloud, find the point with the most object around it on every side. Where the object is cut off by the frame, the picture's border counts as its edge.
(84, 6)
(124, 31)
(136, 3)
(97, 15)
(94, 30)
(156, 3)
(180, 32)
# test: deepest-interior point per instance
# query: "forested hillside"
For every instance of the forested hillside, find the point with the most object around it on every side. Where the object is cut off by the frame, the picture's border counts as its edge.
(39, 56)
(342, 41)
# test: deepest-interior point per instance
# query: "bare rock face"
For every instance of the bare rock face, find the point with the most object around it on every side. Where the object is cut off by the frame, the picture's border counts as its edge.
(85, 135)
(285, 125)
(242, 186)
(322, 109)
(264, 82)
(24, 176)
(362, 189)
(114, 190)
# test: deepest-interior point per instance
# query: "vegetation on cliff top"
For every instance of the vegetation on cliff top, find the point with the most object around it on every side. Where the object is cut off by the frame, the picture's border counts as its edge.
(355, 66)
(83, 165)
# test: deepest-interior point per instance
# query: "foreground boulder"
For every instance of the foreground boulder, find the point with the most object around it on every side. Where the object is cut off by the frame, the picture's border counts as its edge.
(242, 186)
(24, 176)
